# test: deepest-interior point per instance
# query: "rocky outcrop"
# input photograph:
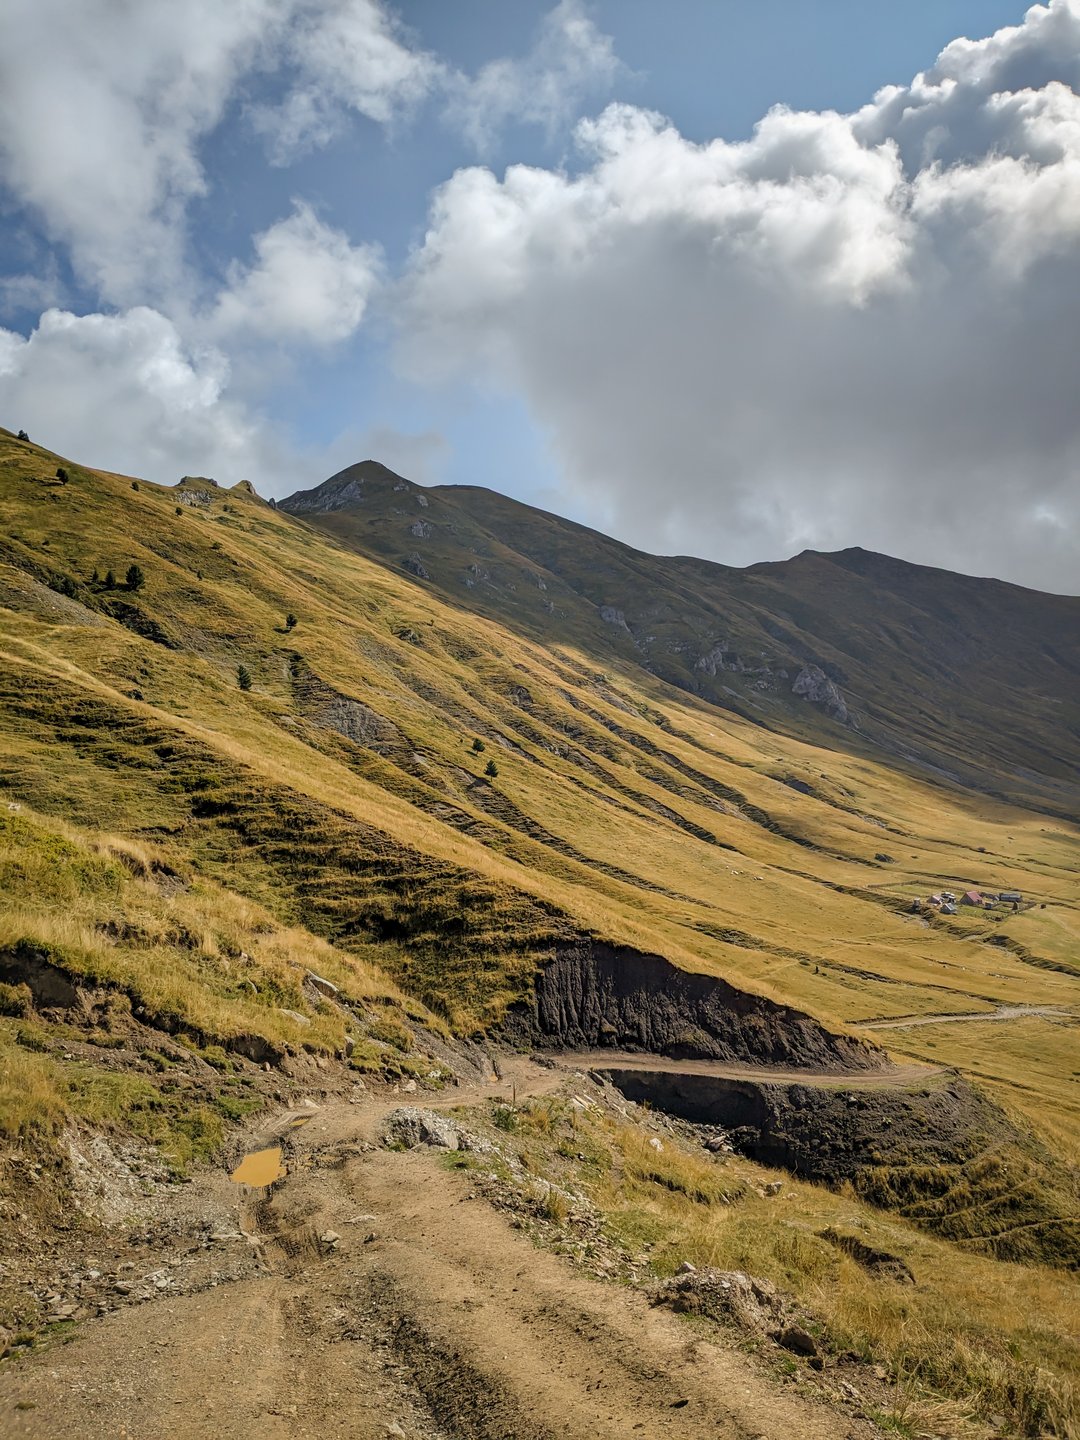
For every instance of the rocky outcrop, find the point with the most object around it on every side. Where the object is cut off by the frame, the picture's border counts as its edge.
(415, 566)
(814, 685)
(594, 995)
(610, 616)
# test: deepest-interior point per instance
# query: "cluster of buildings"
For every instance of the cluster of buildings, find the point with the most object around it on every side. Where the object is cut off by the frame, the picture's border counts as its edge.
(946, 901)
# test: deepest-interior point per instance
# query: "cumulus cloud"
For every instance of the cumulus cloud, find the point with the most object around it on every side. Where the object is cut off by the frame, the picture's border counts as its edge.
(849, 329)
(102, 109)
(124, 392)
(308, 285)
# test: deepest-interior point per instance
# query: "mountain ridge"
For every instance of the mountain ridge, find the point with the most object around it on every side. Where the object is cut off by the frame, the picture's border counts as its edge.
(944, 672)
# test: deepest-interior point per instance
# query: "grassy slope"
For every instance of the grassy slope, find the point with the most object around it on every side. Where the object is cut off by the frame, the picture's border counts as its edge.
(622, 807)
(975, 679)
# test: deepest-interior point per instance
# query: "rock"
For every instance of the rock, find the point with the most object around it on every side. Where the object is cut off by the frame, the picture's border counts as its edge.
(324, 987)
(415, 566)
(295, 1015)
(814, 685)
(611, 616)
(330, 1239)
(774, 1187)
(731, 1296)
(655, 1144)
(408, 1087)
(410, 1127)
(794, 1337)
(686, 1268)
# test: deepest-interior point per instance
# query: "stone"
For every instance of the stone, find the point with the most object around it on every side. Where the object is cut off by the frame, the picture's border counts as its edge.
(686, 1268)
(814, 685)
(324, 987)
(794, 1337)
(330, 1239)
(410, 1126)
(655, 1144)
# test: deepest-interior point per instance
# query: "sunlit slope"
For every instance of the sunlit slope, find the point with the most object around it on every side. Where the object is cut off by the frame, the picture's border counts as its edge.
(342, 791)
(972, 682)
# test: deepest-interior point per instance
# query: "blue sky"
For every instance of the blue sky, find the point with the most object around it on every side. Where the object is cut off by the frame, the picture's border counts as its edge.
(572, 251)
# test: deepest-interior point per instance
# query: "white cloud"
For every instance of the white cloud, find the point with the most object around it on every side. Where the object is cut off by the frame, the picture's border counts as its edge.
(124, 392)
(846, 330)
(309, 285)
(346, 55)
(102, 109)
(571, 62)
(355, 56)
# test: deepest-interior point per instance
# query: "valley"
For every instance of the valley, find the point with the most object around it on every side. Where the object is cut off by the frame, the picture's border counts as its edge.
(296, 818)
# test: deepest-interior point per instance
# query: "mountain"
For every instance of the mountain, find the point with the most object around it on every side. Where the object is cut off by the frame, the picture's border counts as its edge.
(974, 682)
(286, 802)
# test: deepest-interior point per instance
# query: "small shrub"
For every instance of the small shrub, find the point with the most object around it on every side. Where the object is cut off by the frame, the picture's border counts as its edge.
(491, 769)
(15, 1000)
(32, 1037)
(110, 580)
(135, 578)
(478, 745)
(290, 621)
(504, 1117)
(243, 677)
(179, 509)
(134, 485)
(62, 475)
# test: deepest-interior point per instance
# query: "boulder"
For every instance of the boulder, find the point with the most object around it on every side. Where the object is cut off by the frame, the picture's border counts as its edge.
(814, 685)
(410, 1127)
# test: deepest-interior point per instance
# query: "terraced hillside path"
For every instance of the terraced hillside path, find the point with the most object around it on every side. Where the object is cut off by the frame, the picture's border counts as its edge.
(1003, 1012)
(892, 1076)
(425, 1316)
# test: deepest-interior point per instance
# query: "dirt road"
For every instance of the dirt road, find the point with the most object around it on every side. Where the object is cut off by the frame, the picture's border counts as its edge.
(428, 1317)
(605, 1060)
(1003, 1012)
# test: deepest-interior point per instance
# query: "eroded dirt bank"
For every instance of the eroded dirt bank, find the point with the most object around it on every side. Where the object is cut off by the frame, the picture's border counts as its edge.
(593, 995)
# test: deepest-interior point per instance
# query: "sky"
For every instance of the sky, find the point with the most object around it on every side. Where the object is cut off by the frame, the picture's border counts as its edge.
(720, 278)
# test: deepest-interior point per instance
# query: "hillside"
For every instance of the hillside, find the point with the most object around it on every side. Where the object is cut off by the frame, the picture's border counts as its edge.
(251, 849)
(973, 682)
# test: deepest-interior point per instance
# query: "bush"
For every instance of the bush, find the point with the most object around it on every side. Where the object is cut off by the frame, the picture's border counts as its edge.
(491, 769)
(290, 621)
(478, 745)
(62, 475)
(134, 485)
(135, 578)
(15, 1000)
(110, 580)
(243, 677)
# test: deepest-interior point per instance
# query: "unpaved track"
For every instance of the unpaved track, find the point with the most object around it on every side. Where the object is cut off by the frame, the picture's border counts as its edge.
(605, 1060)
(434, 1320)
(1003, 1012)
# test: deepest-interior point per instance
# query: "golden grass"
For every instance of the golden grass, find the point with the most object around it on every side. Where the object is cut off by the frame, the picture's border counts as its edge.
(973, 1337)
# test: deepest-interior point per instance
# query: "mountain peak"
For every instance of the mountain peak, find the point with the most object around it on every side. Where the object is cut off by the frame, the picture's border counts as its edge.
(347, 488)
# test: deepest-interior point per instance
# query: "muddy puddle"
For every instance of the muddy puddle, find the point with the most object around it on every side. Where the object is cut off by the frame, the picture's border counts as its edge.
(261, 1167)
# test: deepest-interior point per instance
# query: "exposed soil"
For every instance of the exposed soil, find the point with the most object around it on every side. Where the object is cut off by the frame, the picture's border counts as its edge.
(592, 995)
(372, 1294)
(820, 1126)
